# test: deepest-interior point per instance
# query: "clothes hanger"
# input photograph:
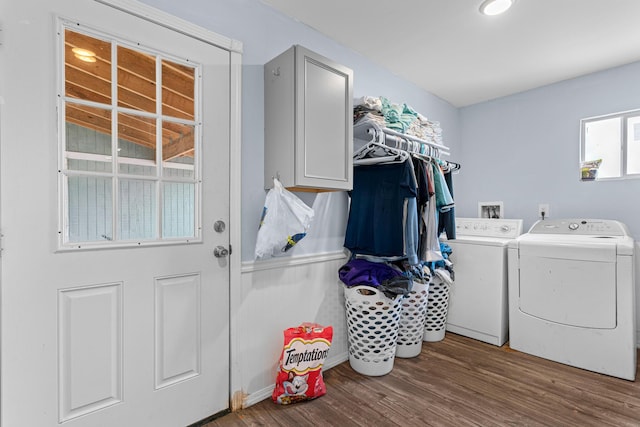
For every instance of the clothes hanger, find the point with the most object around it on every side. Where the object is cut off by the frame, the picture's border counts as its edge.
(422, 156)
(453, 167)
(372, 148)
(376, 153)
(366, 148)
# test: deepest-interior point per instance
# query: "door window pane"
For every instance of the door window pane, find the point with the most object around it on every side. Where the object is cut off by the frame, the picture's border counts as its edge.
(136, 145)
(137, 210)
(87, 138)
(178, 90)
(178, 149)
(87, 67)
(90, 209)
(178, 209)
(136, 80)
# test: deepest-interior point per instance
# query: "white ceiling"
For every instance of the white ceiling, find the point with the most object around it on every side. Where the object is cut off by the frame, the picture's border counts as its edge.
(448, 48)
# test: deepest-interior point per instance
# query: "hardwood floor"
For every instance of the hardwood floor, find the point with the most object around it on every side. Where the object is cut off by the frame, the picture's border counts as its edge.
(458, 382)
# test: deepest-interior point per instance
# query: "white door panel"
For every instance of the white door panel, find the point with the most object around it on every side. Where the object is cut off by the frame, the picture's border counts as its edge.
(128, 336)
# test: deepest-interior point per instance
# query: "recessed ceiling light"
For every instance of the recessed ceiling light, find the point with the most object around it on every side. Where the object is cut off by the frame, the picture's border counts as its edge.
(84, 54)
(495, 7)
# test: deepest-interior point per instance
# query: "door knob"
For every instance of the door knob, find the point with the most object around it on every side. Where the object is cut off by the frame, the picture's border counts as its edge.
(220, 252)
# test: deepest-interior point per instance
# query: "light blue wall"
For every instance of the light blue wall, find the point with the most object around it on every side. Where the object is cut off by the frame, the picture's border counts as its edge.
(266, 33)
(524, 150)
(521, 149)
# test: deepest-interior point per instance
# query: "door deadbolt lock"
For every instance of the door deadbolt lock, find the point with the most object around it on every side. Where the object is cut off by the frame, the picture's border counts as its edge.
(220, 252)
(219, 226)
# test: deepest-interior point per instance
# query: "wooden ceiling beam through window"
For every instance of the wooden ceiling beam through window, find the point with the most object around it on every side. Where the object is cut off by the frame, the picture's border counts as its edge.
(92, 118)
(182, 146)
(136, 91)
(175, 142)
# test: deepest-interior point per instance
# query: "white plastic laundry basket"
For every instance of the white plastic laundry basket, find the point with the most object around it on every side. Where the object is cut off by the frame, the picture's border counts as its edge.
(436, 323)
(413, 316)
(372, 329)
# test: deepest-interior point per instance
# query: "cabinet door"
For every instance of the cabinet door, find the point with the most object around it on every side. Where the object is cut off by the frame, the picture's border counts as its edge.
(324, 129)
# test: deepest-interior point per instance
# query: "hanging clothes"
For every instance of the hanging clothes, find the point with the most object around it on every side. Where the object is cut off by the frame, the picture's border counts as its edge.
(447, 219)
(378, 213)
(444, 200)
(412, 231)
(388, 219)
(429, 243)
(423, 192)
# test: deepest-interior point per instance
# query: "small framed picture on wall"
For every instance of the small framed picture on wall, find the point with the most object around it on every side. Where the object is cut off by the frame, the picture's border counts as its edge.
(493, 210)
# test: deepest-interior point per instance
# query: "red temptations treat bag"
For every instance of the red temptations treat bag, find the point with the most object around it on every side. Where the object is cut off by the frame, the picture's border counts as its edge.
(300, 368)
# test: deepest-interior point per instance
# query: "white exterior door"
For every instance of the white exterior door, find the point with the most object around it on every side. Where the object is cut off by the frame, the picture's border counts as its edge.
(114, 309)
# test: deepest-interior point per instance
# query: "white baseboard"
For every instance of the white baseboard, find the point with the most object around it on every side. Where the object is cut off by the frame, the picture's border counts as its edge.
(334, 361)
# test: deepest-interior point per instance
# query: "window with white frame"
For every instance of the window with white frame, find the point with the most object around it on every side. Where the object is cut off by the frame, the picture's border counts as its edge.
(129, 143)
(610, 146)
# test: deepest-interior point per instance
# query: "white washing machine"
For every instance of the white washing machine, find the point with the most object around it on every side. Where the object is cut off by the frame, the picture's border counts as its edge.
(571, 295)
(478, 304)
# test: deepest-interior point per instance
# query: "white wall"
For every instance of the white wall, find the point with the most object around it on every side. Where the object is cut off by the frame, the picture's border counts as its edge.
(265, 33)
(282, 293)
(524, 150)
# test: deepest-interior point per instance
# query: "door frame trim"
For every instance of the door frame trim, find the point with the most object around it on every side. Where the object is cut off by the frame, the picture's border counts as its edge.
(234, 47)
(235, 240)
(175, 23)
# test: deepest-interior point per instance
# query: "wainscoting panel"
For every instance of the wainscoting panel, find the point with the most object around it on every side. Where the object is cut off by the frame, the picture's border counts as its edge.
(282, 293)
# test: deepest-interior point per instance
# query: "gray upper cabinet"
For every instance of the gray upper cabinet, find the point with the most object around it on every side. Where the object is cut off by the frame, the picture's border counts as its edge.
(308, 122)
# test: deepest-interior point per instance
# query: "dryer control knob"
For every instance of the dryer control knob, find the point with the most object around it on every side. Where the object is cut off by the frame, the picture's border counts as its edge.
(574, 226)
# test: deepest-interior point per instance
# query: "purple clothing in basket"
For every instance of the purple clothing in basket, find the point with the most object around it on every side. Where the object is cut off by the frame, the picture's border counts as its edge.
(376, 275)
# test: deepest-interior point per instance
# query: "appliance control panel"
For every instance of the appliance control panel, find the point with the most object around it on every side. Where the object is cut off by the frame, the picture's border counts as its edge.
(486, 227)
(580, 227)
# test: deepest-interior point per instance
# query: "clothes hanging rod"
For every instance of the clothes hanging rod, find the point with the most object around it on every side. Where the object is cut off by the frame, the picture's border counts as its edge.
(378, 133)
(415, 138)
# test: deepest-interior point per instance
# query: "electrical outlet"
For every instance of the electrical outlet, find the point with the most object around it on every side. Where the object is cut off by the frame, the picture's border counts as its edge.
(543, 211)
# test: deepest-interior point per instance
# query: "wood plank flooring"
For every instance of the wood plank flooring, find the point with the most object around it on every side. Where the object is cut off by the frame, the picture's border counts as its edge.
(458, 382)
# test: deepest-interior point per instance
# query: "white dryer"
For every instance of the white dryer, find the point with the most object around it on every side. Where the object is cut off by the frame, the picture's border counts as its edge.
(571, 295)
(478, 304)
